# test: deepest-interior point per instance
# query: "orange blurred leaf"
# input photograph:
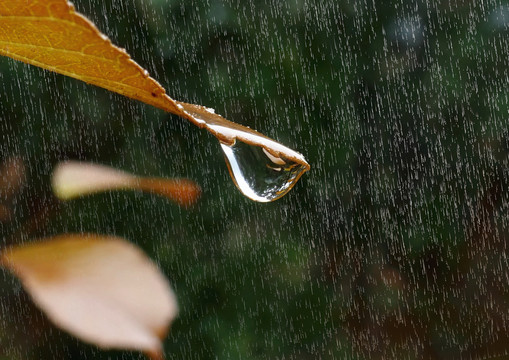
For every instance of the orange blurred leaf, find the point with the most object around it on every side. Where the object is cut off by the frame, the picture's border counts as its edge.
(72, 179)
(183, 191)
(101, 289)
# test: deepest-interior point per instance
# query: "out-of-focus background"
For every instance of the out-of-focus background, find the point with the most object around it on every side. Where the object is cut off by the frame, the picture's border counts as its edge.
(394, 245)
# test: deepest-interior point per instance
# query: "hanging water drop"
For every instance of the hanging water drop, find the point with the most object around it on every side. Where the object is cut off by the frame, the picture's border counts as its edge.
(258, 174)
(263, 169)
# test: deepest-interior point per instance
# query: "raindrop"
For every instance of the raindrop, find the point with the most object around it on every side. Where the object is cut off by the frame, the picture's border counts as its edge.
(261, 168)
(258, 174)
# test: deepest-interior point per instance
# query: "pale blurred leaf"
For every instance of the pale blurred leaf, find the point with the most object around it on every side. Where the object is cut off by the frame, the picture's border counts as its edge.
(72, 179)
(101, 289)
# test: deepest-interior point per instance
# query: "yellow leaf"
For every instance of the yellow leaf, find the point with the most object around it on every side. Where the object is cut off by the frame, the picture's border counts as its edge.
(72, 179)
(101, 289)
(50, 34)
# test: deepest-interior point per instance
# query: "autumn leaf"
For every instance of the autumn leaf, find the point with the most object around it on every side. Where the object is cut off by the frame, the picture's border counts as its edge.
(72, 179)
(101, 289)
(50, 34)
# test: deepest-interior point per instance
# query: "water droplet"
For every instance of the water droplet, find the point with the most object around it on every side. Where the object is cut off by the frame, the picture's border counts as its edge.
(263, 169)
(260, 175)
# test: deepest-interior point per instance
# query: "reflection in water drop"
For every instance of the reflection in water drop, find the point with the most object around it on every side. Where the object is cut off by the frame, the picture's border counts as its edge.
(260, 175)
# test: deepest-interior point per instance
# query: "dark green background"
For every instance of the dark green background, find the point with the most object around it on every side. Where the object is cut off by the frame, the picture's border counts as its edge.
(394, 245)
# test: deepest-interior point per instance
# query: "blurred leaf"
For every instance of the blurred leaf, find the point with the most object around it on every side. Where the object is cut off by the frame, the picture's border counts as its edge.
(101, 289)
(72, 179)
(183, 191)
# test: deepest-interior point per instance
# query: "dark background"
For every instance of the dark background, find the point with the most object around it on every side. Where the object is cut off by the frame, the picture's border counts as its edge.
(394, 245)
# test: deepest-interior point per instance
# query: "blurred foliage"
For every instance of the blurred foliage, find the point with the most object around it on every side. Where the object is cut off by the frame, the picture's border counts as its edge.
(393, 246)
